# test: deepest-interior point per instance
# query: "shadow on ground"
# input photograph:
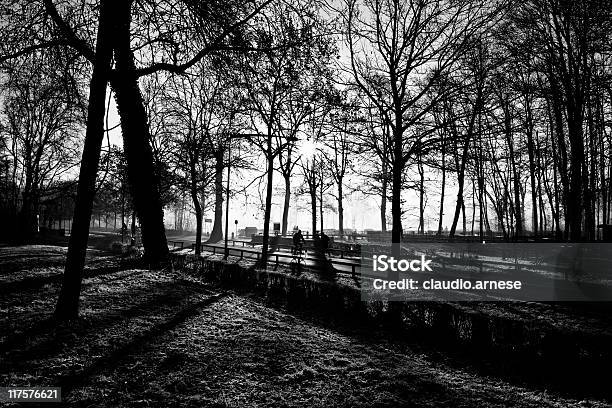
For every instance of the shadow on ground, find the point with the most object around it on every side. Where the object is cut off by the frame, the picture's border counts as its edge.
(162, 338)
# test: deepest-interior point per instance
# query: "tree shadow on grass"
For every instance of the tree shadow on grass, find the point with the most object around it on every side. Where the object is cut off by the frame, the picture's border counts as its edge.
(72, 381)
(37, 282)
(46, 337)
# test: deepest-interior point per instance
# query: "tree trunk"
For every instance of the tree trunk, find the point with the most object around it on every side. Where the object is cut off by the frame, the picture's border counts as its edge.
(562, 149)
(461, 181)
(383, 201)
(532, 168)
(313, 207)
(575, 201)
(421, 196)
(68, 303)
(464, 156)
(441, 212)
(196, 205)
(321, 200)
(464, 216)
(268, 208)
(133, 229)
(142, 174)
(216, 234)
(340, 209)
(286, 203)
(518, 216)
(396, 206)
(591, 175)
(27, 214)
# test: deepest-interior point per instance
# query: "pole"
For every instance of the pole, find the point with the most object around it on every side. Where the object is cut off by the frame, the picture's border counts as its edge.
(229, 155)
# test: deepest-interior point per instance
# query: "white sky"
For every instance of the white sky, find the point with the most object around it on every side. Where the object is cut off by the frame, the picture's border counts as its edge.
(360, 211)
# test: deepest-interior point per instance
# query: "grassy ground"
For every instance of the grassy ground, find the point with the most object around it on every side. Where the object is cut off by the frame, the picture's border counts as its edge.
(161, 338)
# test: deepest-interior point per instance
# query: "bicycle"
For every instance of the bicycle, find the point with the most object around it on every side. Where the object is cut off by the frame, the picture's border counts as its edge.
(297, 257)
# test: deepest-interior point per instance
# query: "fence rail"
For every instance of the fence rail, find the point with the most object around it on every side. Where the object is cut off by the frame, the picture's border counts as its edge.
(351, 258)
(275, 258)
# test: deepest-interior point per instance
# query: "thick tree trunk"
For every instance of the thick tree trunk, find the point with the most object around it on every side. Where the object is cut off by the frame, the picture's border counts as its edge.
(142, 174)
(27, 213)
(216, 234)
(27, 222)
(68, 302)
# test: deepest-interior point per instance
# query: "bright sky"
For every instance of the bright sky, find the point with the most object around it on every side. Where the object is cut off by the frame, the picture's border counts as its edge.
(360, 211)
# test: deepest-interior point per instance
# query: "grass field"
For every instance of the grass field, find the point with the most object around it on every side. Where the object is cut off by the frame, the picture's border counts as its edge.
(161, 338)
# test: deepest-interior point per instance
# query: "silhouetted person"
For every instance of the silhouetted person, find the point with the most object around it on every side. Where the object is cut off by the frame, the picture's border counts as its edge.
(298, 241)
(320, 261)
(324, 242)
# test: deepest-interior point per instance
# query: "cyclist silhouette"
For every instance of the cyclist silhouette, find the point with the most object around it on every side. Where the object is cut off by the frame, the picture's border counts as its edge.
(298, 242)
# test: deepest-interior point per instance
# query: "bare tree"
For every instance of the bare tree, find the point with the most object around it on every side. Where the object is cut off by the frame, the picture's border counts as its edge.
(40, 123)
(269, 79)
(398, 51)
(68, 302)
(338, 153)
